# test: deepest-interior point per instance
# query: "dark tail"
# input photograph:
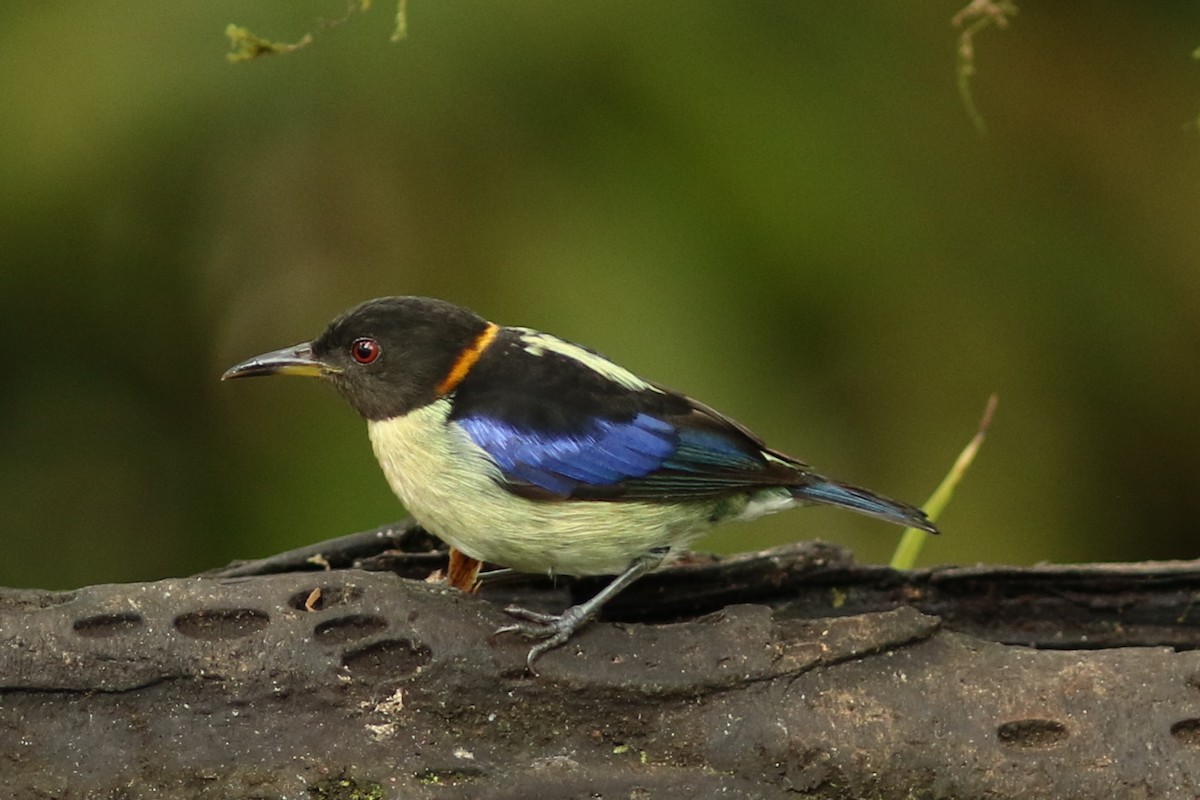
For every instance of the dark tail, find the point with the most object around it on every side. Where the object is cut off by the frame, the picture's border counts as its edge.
(823, 490)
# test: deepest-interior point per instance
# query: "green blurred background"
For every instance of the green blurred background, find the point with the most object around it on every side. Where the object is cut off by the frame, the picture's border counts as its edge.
(781, 208)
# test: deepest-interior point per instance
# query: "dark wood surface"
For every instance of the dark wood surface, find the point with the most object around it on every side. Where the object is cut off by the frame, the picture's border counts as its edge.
(789, 673)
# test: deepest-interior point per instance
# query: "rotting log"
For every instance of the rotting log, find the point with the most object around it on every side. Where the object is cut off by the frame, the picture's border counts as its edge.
(793, 672)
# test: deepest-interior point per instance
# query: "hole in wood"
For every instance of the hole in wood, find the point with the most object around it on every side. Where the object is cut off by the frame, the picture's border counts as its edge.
(1032, 733)
(1187, 731)
(391, 658)
(222, 623)
(104, 625)
(348, 629)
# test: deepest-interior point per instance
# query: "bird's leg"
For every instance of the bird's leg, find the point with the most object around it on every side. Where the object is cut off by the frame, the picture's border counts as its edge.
(555, 629)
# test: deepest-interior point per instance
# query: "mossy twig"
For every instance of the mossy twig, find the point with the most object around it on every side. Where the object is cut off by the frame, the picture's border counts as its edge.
(971, 19)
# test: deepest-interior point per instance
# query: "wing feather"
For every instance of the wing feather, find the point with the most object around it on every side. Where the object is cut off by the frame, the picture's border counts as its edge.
(558, 423)
(644, 458)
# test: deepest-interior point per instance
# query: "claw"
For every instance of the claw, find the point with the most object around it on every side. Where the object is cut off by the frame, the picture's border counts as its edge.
(553, 629)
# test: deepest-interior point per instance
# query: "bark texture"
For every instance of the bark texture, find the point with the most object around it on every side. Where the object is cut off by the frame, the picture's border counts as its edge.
(790, 673)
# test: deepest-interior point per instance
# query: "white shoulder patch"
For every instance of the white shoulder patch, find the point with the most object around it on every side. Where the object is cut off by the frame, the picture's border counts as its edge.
(537, 343)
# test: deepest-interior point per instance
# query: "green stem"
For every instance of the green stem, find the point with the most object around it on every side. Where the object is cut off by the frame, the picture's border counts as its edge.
(910, 544)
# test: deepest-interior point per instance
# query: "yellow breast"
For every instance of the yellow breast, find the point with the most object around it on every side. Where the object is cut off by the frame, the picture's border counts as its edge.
(451, 487)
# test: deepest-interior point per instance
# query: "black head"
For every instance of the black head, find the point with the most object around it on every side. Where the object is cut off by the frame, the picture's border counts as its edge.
(386, 356)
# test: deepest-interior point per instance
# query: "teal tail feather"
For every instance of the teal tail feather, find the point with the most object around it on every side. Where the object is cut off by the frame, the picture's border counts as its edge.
(843, 495)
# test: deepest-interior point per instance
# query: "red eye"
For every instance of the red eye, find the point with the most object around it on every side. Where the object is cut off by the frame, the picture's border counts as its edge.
(365, 350)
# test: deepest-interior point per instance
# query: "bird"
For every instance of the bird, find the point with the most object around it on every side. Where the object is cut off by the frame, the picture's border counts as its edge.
(524, 450)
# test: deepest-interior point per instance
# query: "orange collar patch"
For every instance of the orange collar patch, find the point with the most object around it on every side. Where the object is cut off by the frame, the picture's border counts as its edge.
(467, 359)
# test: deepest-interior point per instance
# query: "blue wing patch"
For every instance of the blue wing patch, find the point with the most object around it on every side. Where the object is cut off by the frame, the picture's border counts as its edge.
(645, 458)
(605, 453)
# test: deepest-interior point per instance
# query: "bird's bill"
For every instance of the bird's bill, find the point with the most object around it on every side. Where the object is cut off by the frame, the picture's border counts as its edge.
(298, 360)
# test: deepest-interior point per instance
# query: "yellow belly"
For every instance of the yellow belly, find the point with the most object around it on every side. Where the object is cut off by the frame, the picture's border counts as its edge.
(448, 484)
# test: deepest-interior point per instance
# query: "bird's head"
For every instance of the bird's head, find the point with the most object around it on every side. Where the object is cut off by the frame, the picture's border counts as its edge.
(386, 356)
